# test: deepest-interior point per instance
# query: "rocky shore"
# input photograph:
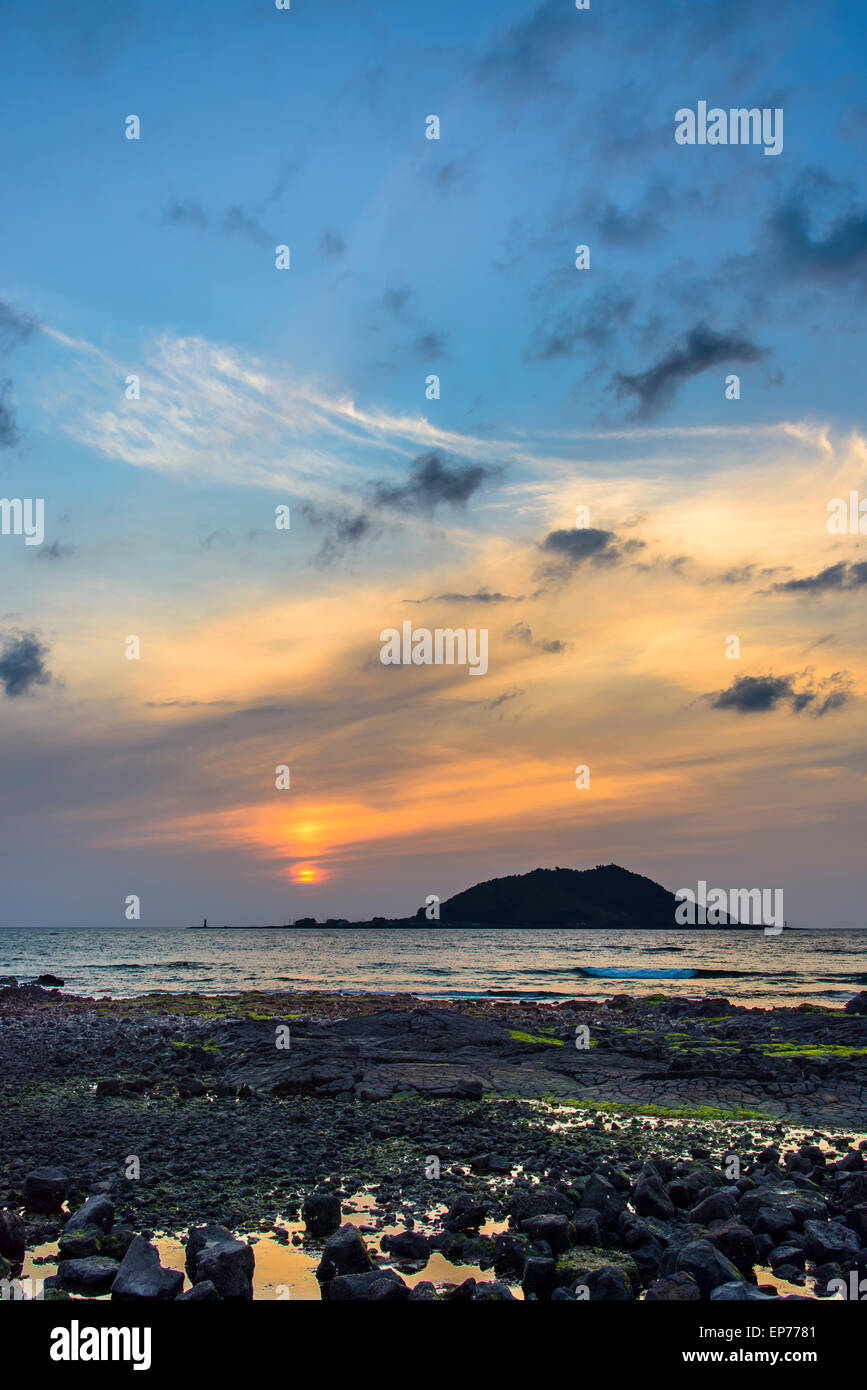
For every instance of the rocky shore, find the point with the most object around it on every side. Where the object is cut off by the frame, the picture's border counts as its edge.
(657, 1147)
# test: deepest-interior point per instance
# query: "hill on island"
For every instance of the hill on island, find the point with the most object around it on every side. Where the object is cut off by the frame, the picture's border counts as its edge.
(607, 896)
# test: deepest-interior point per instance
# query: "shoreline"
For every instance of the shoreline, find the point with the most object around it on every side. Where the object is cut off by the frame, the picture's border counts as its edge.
(231, 1128)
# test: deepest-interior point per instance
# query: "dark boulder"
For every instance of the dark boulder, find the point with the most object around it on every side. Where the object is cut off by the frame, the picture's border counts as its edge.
(214, 1253)
(707, 1265)
(344, 1253)
(321, 1213)
(140, 1275)
(45, 1189)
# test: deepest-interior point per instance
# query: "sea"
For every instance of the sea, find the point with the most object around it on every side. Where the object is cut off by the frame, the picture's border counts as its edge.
(748, 967)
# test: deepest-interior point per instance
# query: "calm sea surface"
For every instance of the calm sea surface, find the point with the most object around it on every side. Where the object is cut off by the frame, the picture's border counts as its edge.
(749, 967)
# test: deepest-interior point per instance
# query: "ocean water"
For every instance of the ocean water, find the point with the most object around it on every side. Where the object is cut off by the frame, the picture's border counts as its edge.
(817, 967)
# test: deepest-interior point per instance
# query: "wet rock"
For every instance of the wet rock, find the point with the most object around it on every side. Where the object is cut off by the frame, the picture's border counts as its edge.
(737, 1290)
(407, 1245)
(387, 1291)
(345, 1288)
(552, 1228)
(608, 1284)
(51, 980)
(344, 1253)
(789, 1256)
(117, 1241)
(321, 1213)
(737, 1243)
(466, 1213)
(199, 1293)
(12, 1235)
(718, 1207)
(423, 1292)
(93, 1275)
(45, 1189)
(538, 1277)
(493, 1292)
(830, 1241)
(707, 1265)
(96, 1211)
(85, 1240)
(214, 1253)
(586, 1228)
(674, 1288)
(858, 1005)
(539, 1201)
(510, 1253)
(600, 1196)
(651, 1199)
(141, 1275)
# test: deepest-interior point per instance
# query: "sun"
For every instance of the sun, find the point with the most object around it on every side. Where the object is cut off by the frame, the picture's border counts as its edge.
(306, 873)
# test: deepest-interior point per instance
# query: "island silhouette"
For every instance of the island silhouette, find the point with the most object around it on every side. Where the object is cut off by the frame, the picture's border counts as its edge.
(605, 897)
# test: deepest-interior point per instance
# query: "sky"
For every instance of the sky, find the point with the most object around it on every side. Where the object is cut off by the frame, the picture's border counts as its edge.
(647, 546)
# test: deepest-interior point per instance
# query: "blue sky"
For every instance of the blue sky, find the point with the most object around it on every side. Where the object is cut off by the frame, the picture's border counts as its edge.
(307, 387)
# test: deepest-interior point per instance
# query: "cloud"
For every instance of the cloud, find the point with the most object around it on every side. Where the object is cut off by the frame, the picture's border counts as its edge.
(233, 221)
(430, 346)
(332, 244)
(839, 578)
(701, 349)
(759, 694)
(578, 544)
(396, 299)
(54, 551)
(481, 596)
(15, 327)
(522, 632)
(840, 255)
(524, 56)
(605, 313)
(345, 529)
(22, 664)
(8, 430)
(434, 479)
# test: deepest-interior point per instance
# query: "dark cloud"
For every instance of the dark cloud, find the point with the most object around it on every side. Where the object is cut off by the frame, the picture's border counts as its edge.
(234, 221)
(396, 300)
(701, 349)
(434, 478)
(838, 255)
(54, 551)
(22, 663)
(759, 694)
(605, 314)
(578, 544)
(332, 244)
(344, 530)
(15, 327)
(523, 633)
(525, 55)
(8, 430)
(839, 577)
(450, 174)
(495, 706)
(190, 214)
(430, 346)
(567, 550)
(748, 574)
(481, 596)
